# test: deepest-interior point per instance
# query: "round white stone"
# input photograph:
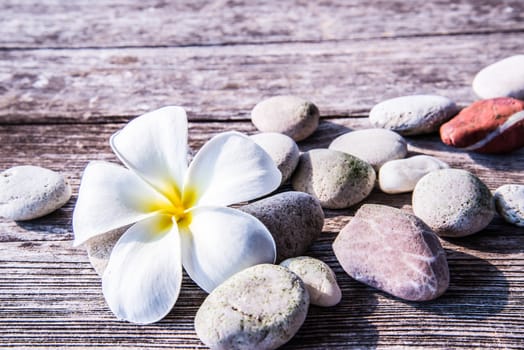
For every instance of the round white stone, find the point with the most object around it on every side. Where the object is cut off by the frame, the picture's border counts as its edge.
(413, 115)
(509, 201)
(401, 175)
(319, 279)
(453, 202)
(28, 192)
(282, 149)
(375, 146)
(502, 78)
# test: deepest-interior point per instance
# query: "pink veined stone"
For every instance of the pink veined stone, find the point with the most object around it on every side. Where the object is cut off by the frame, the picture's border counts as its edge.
(394, 251)
(487, 126)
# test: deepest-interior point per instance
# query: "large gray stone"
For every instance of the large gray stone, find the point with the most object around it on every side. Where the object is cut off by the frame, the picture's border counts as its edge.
(294, 219)
(394, 251)
(261, 307)
(339, 180)
(28, 192)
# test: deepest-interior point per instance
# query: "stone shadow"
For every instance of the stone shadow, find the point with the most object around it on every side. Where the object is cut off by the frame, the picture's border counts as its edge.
(478, 289)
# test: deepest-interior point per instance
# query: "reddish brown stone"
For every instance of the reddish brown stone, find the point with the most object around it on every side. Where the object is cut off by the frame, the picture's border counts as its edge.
(393, 251)
(487, 126)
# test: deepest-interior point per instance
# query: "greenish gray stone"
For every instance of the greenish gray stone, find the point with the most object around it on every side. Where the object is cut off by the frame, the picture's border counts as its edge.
(337, 179)
(261, 307)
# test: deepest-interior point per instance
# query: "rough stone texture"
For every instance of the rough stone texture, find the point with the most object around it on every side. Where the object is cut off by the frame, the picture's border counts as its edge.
(294, 219)
(319, 279)
(413, 115)
(509, 201)
(393, 251)
(99, 249)
(289, 115)
(401, 175)
(28, 192)
(453, 202)
(502, 78)
(261, 307)
(487, 126)
(282, 149)
(337, 179)
(375, 146)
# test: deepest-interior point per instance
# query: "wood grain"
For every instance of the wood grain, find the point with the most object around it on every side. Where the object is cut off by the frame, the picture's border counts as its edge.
(154, 23)
(343, 79)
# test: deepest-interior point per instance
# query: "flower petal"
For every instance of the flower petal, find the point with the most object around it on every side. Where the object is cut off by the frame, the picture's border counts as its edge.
(111, 197)
(155, 146)
(231, 168)
(221, 241)
(142, 280)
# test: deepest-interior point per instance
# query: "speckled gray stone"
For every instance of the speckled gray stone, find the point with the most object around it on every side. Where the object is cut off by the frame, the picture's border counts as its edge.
(261, 307)
(413, 115)
(401, 175)
(509, 201)
(375, 146)
(453, 202)
(282, 149)
(99, 249)
(393, 251)
(319, 279)
(294, 219)
(28, 192)
(504, 78)
(289, 115)
(337, 179)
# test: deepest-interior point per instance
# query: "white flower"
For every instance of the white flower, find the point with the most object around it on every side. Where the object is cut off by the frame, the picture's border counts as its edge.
(179, 213)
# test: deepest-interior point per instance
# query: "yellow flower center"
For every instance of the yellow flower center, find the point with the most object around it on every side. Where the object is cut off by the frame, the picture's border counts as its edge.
(177, 206)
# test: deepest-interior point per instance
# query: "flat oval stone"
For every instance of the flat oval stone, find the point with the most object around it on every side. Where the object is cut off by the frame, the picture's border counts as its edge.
(487, 126)
(261, 307)
(294, 219)
(502, 78)
(509, 201)
(282, 149)
(28, 192)
(289, 115)
(375, 146)
(337, 179)
(401, 175)
(319, 279)
(394, 251)
(453, 202)
(413, 115)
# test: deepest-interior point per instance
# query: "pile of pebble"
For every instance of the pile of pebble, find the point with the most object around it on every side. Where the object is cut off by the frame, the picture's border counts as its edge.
(389, 249)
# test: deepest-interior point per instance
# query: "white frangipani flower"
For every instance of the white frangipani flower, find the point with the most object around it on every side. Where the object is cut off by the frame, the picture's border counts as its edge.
(178, 213)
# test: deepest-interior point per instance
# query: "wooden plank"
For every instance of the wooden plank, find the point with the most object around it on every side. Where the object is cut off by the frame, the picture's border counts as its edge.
(343, 79)
(125, 23)
(51, 297)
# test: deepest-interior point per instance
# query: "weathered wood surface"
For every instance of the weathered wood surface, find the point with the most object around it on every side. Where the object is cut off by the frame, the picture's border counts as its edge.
(71, 73)
(125, 23)
(343, 79)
